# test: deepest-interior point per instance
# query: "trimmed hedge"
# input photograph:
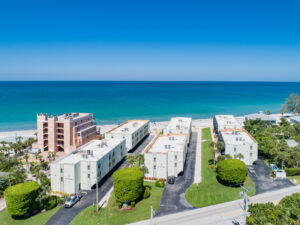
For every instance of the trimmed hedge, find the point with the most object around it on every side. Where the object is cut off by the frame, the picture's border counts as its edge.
(232, 171)
(146, 193)
(20, 198)
(292, 171)
(131, 179)
(160, 183)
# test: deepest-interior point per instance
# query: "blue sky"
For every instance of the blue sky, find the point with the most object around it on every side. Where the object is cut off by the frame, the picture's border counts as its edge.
(150, 40)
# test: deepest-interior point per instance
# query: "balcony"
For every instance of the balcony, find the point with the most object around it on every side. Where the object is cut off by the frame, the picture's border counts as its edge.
(45, 125)
(45, 137)
(60, 131)
(60, 137)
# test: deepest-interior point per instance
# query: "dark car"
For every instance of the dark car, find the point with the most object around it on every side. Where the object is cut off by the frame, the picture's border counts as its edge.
(79, 195)
(71, 201)
(171, 180)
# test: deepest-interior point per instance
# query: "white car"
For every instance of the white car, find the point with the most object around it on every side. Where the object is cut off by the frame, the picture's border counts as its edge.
(35, 151)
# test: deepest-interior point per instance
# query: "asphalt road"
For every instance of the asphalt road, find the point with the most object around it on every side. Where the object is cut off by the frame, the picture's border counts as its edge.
(173, 198)
(262, 180)
(221, 214)
(64, 216)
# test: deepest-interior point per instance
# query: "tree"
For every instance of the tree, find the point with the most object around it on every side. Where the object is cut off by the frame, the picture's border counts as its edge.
(131, 160)
(292, 104)
(232, 171)
(268, 112)
(228, 156)
(26, 157)
(281, 112)
(220, 146)
(140, 158)
(239, 156)
(16, 176)
(29, 142)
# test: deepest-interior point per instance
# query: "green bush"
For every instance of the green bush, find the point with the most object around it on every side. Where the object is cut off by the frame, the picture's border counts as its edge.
(20, 198)
(160, 183)
(146, 193)
(131, 179)
(231, 171)
(51, 202)
(132, 204)
(3, 184)
(292, 171)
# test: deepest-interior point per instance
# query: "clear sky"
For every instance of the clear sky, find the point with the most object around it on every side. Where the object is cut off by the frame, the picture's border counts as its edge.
(150, 40)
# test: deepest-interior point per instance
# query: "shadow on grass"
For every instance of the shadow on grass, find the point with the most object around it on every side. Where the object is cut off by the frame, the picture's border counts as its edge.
(227, 184)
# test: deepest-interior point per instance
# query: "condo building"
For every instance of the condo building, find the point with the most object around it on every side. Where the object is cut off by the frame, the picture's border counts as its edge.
(166, 156)
(179, 125)
(222, 122)
(133, 131)
(239, 141)
(65, 132)
(82, 168)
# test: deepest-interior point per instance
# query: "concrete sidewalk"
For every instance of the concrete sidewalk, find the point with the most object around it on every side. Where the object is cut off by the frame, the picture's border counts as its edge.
(2, 204)
(197, 175)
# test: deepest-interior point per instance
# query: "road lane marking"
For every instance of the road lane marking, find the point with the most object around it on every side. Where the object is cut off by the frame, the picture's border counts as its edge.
(232, 213)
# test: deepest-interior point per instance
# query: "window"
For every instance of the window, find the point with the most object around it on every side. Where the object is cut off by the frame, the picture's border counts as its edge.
(251, 147)
(109, 156)
(61, 179)
(75, 123)
(154, 159)
(89, 167)
(99, 173)
(88, 119)
(88, 175)
(154, 167)
(235, 149)
(99, 165)
(251, 154)
(175, 164)
(175, 156)
(61, 170)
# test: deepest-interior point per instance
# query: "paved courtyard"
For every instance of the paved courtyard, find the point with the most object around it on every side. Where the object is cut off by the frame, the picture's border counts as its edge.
(262, 180)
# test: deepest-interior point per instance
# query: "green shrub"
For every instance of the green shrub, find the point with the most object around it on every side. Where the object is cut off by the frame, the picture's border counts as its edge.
(130, 179)
(146, 193)
(3, 184)
(292, 171)
(132, 204)
(160, 183)
(51, 202)
(231, 171)
(119, 205)
(20, 198)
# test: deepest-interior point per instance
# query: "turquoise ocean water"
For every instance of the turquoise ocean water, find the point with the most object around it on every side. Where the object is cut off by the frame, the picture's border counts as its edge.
(114, 102)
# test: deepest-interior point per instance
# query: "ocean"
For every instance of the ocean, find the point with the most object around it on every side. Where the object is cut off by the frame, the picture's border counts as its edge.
(115, 102)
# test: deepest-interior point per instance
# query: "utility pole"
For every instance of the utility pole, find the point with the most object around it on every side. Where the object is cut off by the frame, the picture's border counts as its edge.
(244, 195)
(152, 213)
(97, 194)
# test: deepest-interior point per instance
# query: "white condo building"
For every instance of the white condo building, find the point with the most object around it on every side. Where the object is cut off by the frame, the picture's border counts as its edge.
(179, 125)
(239, 141)
(222, 122)
(133, 131)
(82, 168)
(166, 156)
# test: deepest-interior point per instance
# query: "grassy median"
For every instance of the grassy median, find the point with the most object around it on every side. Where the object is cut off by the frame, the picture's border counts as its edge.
(210, 191)
(112, 215)
(39, 219)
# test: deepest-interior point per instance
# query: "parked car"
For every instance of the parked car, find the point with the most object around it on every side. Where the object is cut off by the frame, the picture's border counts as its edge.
(34, 151)
(79, 195)
(171, 180)
(71, 201)
(251, 170)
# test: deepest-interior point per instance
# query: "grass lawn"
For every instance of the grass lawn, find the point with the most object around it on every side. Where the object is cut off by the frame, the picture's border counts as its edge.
(39, 219)
(210, 191)
(294, 179)
(112, 215)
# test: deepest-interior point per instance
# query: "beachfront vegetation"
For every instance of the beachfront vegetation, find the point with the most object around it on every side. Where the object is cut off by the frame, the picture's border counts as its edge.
(128, 184)
(232, 171)
(292, 104)
(112, 215)
(272, 144)
(137, 161)
(286, 212)
(210, 191)
(38, 219)
(20, 198)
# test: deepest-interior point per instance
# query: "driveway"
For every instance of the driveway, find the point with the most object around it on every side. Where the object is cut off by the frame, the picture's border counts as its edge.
(173, 198)
(262, 180)
(64, 216)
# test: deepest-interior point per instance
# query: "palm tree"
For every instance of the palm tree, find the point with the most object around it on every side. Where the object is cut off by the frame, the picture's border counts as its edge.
(227, 156)
(53, 155)
(140, 158)
(239, 156)
(131, 160)
(49, 156)
(281, 112)
(220, 146)
(292, 104)
(26, 157)
(268, 112)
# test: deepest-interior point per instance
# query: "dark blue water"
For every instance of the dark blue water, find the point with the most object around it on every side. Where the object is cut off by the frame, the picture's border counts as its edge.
(114, 102)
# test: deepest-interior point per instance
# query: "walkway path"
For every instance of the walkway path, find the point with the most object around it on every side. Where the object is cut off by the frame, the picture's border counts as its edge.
(2, 204)
(197, 176)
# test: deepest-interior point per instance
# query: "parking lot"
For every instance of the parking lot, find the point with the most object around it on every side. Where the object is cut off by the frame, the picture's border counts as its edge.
(173, 198)
(262, 180)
